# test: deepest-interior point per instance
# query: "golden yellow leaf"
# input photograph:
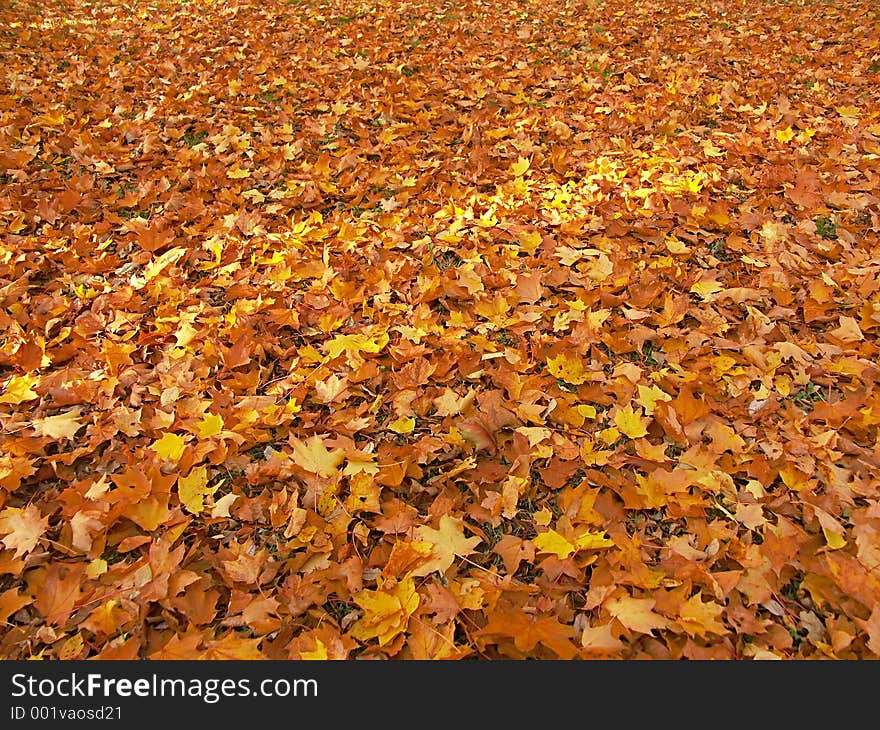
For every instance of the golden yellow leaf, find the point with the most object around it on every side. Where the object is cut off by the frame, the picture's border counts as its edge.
(568, 368)
(193, 488)
(543, 517)
(699, 618)
(96, 568)
(210, 425)
(170, 446)
(386, 612)
(649, 397)
(404, 424)
(357, 343)
(592, 541)
(705, 288)
(630, 423)
(314, 457)
(447, 542)
(554, 543)
(20, 389)
(835, 540)
(636, 614)
(520, 167)
(154, 268)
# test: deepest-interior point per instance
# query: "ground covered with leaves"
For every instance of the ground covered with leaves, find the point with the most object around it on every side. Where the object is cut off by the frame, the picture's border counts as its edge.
(423, 329)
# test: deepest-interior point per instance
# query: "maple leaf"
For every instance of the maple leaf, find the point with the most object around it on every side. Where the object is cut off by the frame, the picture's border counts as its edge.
(386, 613)
(700, 618)
(170, 446)
(193, 488)
(447, 542)
(20, 389)
(630, 423)
(554, 543)
(529, 631)
(520, 167)
(405, 555)
(649, 397)
(329, 389)
(513, 550)
(357, 343)
(451, 404)
(314, 457)
(233, 646)
(63, 425)
(57, 589)
(83, 525)
(636, 614)
(22, 528)
(567, 368)
(785, 135)
(211, 425)
(404, 424)
(706, 288)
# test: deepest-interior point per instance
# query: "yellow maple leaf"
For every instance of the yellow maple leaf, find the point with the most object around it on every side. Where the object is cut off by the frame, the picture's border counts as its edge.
(20, 389)
(554, 543)
(170, 446)
(529, 240)
(630, 423)
(193, 488)
(64, 425)
(314, 457)
(210, 425)
(567, 368)
(22, 528)
(357, 343)
(535, 434)
(386, 613)
(447, 542)
(404, 424)
(649, 397)
(237, 173)
(636, 614)
(848, 112)
(592, 541)
(675, 246)
(785, 135)
(699, 618)
(520, 167)
(706, 288)
(154, 268)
